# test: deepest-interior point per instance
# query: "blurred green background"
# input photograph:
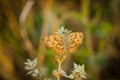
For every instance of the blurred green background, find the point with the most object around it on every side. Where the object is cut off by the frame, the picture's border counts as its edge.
(23, 24)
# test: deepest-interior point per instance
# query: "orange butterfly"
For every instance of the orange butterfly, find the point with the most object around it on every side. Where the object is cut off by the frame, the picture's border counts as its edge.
(60, 43)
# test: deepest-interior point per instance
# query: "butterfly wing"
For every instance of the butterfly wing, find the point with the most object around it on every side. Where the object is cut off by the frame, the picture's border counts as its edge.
(55, 42)
(76, 39)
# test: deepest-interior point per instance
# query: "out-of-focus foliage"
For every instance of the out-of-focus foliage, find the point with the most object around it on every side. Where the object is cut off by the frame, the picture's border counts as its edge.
(21, 36)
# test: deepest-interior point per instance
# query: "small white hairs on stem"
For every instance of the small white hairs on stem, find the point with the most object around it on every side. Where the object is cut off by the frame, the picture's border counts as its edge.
(78, 72)
(31, 67)
(63, 31)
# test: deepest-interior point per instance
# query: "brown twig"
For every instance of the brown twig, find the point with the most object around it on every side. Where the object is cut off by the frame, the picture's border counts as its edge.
(22, 18)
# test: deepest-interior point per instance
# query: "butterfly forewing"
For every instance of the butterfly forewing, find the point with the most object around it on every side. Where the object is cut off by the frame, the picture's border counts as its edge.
(55, 42)
(76, 39)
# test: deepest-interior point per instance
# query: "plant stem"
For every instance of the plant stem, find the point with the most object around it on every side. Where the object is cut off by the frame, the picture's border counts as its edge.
(59, 66)
(58, 78)
(59, 69)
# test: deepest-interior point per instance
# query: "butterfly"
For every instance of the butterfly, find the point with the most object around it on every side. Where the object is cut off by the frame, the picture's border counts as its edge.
(58, 42)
